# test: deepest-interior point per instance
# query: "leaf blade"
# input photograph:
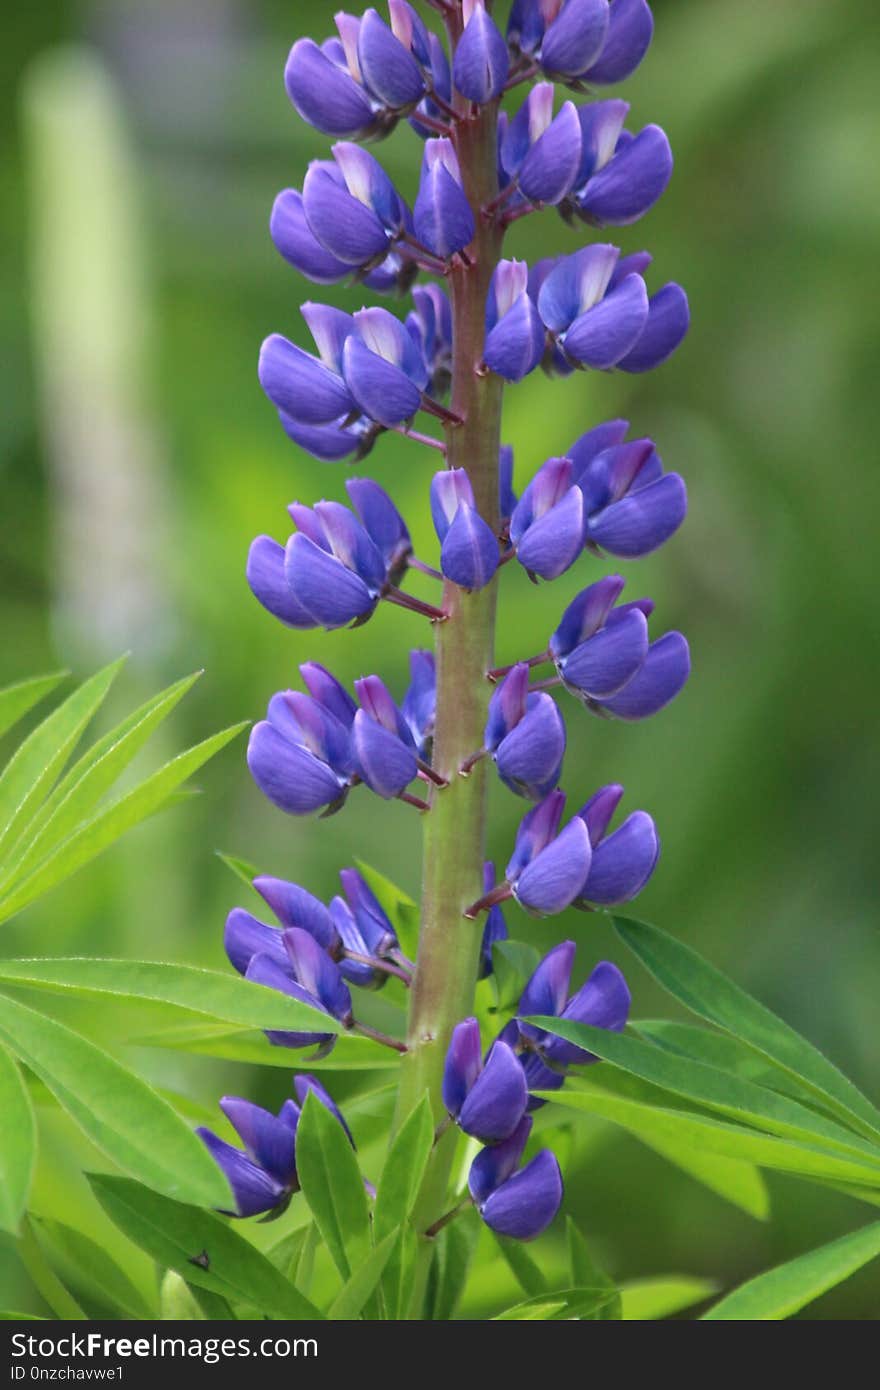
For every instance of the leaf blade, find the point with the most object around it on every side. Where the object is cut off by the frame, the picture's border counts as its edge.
(778, 1293)
(332, 1185)
(19, 1148)
(17, 699)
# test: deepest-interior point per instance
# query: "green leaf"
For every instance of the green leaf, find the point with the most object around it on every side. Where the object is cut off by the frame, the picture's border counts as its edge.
(200, 1246)
(708, 1086)
(32, 769)
(226, 998)
(558, 1306)
(8, 1316)
(110, 822)
(454, 1251)
(585, 1273)
(285, 1253)
(722, 1051)
(77, 794)
(240, 867)
(780, 1292)
(404, 1168)
(712, 996)
(737, 1182)
(350, 1052)
(332, 1185)
(16, 700)
(86, 1267)
(177, 1302)
(118, 1111)
(18, 1150)
(521, 1265)
(354, 1294)
(398, 906)
(658, 1124)
(513, 962)
(645, 1300)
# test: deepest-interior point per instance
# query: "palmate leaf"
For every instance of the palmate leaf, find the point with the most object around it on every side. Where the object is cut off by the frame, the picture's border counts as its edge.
(118, 1111)
(780, 1292)
(18, 1148)
(200, 1247)
(712, 996)
(16, 700)
(109, 822)
(715, 1089)
(332, 1185)
(225, 998)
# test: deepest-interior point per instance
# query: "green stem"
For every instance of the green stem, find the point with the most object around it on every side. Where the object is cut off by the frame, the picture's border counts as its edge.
(454, 837)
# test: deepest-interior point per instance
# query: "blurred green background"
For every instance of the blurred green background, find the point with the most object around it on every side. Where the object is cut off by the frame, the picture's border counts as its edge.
(141, 145)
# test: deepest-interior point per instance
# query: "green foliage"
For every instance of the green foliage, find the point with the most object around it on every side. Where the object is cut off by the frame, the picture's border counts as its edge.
(19, 1147)
(87, 1268)
(332, 1185)
(558, 1306)
(784, 1291)
(358, 1288)
(16, 700)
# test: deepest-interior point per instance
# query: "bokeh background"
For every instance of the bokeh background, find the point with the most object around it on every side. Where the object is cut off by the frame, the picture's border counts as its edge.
(141, 145)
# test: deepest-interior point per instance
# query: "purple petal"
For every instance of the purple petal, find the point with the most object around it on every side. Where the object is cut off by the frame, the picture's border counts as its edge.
(383, 761)
(317, 973)
(507, 705)
(630, 29)
(601, 336)
(464, 1062)
(641, 521)
(549, 169)
(325, 96)
(507, 496)
(375, 928)
(264, 971)
(554, 877)
(330, 443)
(536, 829)
(666, 669)
(515, 346)
(246, 936)
(529, 760)
(497, 1100)
(632, 182)
(601, 125)
(343, 225)
(449, 488)
(494, 929)
(323, 586)
(598, 812)
(553, 543)
(493, 1166)
(602, 665)
(547, 990)
(388, 69)
(481, 63)
(252, 1189)
(586, 613)
(525, 1205)
(381, 520)
(323, 686)
(668, 322)
(290, 776)
(442, 214)
(299, 384)
(603, 1002)
(296, 907)
(268, 583)
(297, 243)
(420, 701)
(623, 863)
(575, 38)
(595, 442)
(382, 390)
(575, 284)
(267, 1139)
(469, 553)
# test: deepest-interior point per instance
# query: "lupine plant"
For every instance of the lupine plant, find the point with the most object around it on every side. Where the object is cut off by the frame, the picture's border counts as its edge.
(502, 1052)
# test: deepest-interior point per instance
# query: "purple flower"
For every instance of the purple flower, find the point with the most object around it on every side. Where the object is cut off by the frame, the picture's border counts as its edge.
(387, 65)
(620, 176)
(246, 936)
(539, 152)
(309, 389)
(383, 368)
(419, 705)
(442, 214)
(547, 526)
(340, 439)
(547, 868)
(595, 321)
(604, 658)
(309, 975)
(352, 208)
(263, 1174)
(382, 745)
(332, 566)
(603, 1002)
(514, 332)
(363, 930)
(327, 94)
(623, 861)
(494, 928)
(563, 36)
(518, 1204)
(486, 1100)
(630, 505)
(300, 755)
(481, 63)
(630, 30)
(468, 545)
(383, 524)
(525, 735)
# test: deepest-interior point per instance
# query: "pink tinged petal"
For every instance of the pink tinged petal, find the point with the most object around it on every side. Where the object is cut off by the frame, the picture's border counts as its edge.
(297, 907)
(253, 1190)
(469, 553)
(641, 521)
(515, 346)
(386, 764)
(464, 1062)
(631, 183)
(525, 1205)
(246, 936)
(291, 777)
(449, 488)
(555, 876)
(575, 39)
(325, 97)
(493, 1166)
(604, 334)
(553, 542)
(382, 390)
(550, 168)
(268, 1140)
(598, 812)
(601, 124)
(630, 29)
(623, 862)
(667, 324)
(268, 583)
(388, 69)
(299, 384)
(603, 665)
(586, 613)
(497, 1100)
(377, 701)
(322, 584)
(664, 673)
(529, 759)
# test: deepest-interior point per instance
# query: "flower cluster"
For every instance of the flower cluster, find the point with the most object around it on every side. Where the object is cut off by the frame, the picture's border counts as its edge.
(372, 371)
